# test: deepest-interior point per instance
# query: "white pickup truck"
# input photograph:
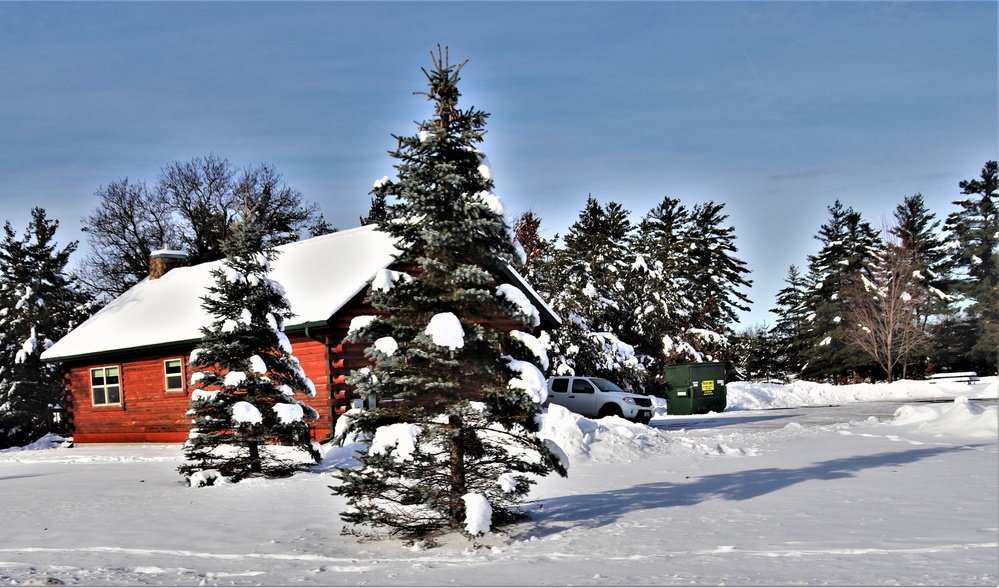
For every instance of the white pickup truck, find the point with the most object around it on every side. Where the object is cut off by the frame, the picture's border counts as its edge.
(597, 397)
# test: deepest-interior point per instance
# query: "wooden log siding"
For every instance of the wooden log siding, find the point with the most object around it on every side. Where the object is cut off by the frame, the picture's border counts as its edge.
(148, 413)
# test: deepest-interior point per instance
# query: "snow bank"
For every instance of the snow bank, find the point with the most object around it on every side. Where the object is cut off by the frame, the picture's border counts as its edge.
(50, 441)
(961, 417)
(386, 279)
(517, 296)
(204, 478)
(756, 396)
(610, 439)
(387, 345)
(289, 413)
(531, 380)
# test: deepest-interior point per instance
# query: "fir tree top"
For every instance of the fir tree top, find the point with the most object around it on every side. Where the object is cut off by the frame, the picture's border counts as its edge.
(442, 204)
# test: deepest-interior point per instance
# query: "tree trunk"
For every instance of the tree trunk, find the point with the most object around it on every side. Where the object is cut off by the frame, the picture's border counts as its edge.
(255, 458)
(458, 485)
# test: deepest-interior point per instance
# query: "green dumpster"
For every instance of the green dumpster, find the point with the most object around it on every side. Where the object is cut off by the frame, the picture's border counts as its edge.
(695, 388)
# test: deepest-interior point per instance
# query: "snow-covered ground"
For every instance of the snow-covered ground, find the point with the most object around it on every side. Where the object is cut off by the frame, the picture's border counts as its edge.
(872, 485)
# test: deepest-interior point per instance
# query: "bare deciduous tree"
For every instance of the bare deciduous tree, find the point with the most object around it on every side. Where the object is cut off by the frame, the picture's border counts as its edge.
(193, 205)
(883, 308)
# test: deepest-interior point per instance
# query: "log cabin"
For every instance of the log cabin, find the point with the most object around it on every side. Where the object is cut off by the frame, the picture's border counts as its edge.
(126, 369)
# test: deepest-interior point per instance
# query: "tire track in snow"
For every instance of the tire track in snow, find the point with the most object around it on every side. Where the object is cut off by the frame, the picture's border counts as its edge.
(338, 564)
(850, 551)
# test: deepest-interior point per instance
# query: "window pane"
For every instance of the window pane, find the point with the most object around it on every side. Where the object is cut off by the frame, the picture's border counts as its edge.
(174, 371)
(97, 377)
(113, 396)
(112, 375)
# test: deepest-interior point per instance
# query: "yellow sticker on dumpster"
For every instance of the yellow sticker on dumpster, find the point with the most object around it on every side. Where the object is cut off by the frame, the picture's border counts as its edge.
(708, 387)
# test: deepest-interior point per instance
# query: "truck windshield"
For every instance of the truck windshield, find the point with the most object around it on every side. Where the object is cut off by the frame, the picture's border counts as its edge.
(605, 385)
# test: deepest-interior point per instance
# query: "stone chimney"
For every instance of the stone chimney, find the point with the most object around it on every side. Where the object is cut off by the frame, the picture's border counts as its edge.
(163, 260)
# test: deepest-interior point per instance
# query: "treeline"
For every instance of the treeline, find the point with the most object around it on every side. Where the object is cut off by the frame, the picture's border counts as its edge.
(919, 295)
(915, 296)
(635, 298)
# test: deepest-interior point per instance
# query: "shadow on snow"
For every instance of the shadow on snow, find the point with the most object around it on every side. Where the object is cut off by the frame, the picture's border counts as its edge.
(605, 508)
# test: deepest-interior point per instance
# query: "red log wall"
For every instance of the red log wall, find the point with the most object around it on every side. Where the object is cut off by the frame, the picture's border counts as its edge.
(150, 414)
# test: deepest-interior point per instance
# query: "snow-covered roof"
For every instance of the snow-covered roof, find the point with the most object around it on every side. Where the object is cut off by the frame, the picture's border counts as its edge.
(319, 275)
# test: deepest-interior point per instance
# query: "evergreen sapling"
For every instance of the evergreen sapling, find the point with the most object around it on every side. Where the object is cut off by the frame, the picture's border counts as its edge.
(245, 414)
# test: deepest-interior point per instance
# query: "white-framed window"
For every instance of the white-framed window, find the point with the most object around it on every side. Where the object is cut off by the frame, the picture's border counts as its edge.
(173, 375)
(105, 385)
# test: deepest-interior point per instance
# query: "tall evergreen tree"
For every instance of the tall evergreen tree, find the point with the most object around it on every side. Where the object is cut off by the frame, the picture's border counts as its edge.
(39, 303)
(664, 286)
(848, 246)
(690, 282)
(245, 416)
(453, 441)
(974, 244)
(917, 232)
(593, 273)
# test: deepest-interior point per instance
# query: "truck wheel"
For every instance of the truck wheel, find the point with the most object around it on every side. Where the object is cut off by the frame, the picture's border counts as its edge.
(609, 410)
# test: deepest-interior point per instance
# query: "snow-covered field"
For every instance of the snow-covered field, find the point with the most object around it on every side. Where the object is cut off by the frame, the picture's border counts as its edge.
(872, 485)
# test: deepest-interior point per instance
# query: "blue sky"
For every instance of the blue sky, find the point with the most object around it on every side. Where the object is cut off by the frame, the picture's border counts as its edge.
(776, 109)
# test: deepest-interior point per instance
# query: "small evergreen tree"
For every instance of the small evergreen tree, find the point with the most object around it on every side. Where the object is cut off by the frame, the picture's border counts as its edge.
(246, 419)
(39, 303)
(753, 355)
(452, 443)
(789, 330)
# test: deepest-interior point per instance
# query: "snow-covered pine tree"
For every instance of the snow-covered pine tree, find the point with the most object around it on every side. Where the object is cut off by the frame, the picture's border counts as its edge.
(661, 280)
(752, 355)
(452, 443)
(592, 272)
(717, 275)
(917, 230)
(918, 233)
(245, 416)
(691, 284)
(39, 303)
(848, 246)
(974, 245)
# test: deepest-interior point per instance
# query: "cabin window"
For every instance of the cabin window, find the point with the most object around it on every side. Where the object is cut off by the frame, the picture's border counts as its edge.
(173, 371)
(105, 386)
